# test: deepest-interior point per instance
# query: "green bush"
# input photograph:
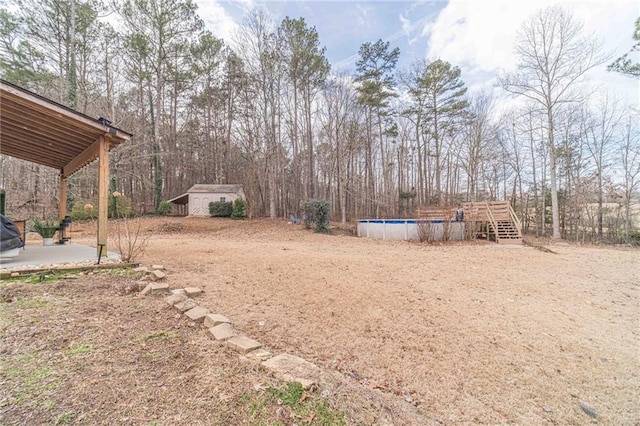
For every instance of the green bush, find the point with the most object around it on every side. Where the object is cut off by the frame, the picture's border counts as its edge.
(317, 212)
(120, 208)
(83, 210)
(164, 208)
(220, 208)
(239, 209)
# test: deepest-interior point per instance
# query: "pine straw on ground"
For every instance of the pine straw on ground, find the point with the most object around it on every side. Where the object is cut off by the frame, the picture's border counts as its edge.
(86, 349)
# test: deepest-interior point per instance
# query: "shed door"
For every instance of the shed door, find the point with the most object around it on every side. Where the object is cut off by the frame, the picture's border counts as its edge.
(198, 205)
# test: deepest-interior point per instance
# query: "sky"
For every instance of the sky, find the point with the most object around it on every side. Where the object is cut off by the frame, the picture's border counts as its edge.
(476, 35)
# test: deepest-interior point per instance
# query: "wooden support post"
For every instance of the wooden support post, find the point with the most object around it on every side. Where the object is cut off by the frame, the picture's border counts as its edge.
(63, 197)
(103, 195)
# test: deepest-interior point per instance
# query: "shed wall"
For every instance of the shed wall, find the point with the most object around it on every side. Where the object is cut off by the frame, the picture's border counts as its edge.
(199, 201)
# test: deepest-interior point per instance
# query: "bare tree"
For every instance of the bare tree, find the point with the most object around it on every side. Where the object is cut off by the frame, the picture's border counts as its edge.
(479, 133)
(260, 53)
(339, 100)
(630, 156)
(554, 57)
(600, 133)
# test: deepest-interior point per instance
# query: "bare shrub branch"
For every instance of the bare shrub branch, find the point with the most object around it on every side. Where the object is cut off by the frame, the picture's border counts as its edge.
(129, 240)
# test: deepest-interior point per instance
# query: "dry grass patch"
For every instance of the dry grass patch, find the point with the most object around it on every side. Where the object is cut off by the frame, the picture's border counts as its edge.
(77, 352)
(86, 349)
(465, 332)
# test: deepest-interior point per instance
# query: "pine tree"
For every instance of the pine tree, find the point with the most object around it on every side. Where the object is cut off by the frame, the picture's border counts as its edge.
(375, 75)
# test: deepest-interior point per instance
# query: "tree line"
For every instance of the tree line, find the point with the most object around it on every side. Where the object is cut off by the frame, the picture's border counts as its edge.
(265, 110)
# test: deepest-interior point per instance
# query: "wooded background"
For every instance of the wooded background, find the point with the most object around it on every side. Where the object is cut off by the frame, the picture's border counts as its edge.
(271, 115)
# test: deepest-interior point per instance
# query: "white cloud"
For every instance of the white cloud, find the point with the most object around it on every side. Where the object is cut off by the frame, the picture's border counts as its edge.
(362, 15)
(479, 36)
(218, 20)
(412, 30)
(479, 33)
(406, 25)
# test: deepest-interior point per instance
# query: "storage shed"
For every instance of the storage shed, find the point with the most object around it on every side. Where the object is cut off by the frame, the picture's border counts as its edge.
(195, 202)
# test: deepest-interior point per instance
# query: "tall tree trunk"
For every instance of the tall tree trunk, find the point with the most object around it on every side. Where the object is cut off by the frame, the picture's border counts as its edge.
(72, 77)
(555, 211)
(309, 137)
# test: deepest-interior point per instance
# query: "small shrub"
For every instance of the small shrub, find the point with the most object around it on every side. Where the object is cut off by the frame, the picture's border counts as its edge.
(82, 210)
(446, 230)
(317, 212)
(429, 231)
(128, 239)
(425, 231)
(164, 208)
(239, 209)
(220, 208)
(121, 207)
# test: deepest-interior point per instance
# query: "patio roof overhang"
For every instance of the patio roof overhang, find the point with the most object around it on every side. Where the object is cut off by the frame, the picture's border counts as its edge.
(39, 130)
(36, 129)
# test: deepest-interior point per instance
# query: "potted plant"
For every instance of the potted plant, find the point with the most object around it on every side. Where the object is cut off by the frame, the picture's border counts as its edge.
(46, 229)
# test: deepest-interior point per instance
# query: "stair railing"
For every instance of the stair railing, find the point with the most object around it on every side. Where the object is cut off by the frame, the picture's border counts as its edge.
(515, 220)
(493, 223)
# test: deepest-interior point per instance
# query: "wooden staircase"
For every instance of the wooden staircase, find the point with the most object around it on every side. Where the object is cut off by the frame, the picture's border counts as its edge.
(494, 220)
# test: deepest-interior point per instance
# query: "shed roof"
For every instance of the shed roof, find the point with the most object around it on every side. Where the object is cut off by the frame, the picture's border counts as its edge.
(216, 189)
(42, 131)
(180, 199)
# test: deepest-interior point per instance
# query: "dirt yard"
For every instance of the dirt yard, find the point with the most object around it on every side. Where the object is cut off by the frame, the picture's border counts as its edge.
(467, 333)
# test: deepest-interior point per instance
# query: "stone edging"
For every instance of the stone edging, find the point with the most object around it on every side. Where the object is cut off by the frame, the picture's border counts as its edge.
(285, 366)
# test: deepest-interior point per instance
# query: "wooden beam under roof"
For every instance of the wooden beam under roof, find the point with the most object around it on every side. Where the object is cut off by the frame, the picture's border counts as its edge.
(81, 160)
(41, 131)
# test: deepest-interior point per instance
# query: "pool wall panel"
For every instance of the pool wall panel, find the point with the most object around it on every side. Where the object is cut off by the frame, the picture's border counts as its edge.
(406, 229)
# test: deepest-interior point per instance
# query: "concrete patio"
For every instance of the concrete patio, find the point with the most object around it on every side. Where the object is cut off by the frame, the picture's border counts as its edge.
(38, 256)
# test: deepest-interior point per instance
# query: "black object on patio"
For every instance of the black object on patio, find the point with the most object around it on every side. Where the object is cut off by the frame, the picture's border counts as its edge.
(9, 235)
(64, 231)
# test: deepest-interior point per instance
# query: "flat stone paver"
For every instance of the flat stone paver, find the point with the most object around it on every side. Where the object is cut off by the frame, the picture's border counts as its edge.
(179, 291)
(140, 271)
(160, 288)
(146, 290)
(185, 305)
(192, 291)
(175, 298)
(243, 344)
(222, 332)
(157, 267)
(261, 354)
(293, 369)
(212, 320)
(197, 314)
(157, 275)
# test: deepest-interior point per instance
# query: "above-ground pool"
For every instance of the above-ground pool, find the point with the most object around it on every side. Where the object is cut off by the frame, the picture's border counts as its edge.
(410, 229)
